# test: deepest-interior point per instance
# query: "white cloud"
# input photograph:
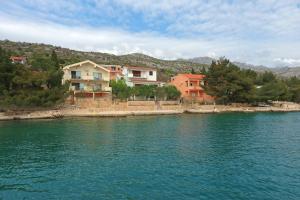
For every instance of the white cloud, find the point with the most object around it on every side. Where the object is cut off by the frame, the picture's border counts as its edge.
(238, 18)
(257, 31)
(104, 40)
(287, 61)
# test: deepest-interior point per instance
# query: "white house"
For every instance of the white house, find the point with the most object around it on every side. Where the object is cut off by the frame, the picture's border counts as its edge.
(135, 76)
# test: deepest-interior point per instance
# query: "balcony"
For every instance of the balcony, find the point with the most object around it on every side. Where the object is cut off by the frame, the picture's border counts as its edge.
(76, 88)
(89, 79)
(75, 77)
(97, 78)
(139, 77)
(195, 87)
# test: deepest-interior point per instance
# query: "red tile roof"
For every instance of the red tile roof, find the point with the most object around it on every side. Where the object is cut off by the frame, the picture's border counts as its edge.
(18, 58)
(193, 76)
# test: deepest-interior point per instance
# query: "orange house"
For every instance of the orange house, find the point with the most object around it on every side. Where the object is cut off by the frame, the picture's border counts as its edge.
(190, 86)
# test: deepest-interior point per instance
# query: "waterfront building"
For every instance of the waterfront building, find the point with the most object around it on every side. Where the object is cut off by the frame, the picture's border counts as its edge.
(87, 79)
(191, 87)
(136, 76)
(115, 71)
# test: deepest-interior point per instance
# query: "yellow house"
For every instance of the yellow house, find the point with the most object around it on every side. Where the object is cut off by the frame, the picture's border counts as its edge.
(87, 77)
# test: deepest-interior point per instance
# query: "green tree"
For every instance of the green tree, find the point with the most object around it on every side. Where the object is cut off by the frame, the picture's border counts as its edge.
(265, 77)
(228, 83)
(21, 86)
(41, 62)
(120, 90)
(146, 91)
(193, 71)
(54, 78)
(275, 90)
(171, 92)
(55, 61)
(203, 70)
(7, 71)
(293, 84)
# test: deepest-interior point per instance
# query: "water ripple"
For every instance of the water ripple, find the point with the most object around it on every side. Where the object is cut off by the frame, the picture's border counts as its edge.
(224, 156)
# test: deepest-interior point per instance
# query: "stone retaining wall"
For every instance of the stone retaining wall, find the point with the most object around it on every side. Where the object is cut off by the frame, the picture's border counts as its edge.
(108, 105)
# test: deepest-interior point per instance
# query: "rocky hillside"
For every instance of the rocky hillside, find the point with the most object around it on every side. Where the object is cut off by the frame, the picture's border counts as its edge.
(168, 67)
(70, 56)
(280, 71)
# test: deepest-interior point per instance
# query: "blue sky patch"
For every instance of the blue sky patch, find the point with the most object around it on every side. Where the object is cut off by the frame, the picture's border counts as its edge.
(237, 29)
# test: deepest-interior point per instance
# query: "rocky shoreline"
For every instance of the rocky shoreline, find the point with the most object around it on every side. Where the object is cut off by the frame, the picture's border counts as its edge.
(65, 113)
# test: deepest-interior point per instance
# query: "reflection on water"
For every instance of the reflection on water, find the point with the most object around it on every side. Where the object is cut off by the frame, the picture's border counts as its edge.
(224, 156)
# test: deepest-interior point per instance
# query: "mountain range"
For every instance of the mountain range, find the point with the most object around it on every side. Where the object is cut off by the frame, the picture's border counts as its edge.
(136, 59)
(280, 71)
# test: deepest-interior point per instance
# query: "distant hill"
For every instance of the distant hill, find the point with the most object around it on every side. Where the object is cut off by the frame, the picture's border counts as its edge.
(168, 67)
(71, 56)
(280, 71)
(204, 60)
(287, 71)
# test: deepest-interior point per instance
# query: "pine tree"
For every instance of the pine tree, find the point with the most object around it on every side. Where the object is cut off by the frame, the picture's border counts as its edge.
(228, 83)
(193, 71)
(55, 60)
(203, 70)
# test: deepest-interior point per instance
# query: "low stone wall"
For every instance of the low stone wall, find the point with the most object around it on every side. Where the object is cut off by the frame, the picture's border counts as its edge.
(170, 105)
(141, 105)
(167, 103)
(93, 103)
(105, 104)
(108, 105)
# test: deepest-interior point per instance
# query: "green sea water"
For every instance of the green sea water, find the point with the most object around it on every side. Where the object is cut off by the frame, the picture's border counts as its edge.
(218, 156)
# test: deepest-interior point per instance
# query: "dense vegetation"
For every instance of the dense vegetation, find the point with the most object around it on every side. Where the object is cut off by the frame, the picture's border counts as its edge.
(38, 83)
(230, 84)
(121, 91)
(35, 86)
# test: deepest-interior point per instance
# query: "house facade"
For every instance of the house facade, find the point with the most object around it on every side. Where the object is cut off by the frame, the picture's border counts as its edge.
(87, 77)
(115, 71)
(18, 59)
(136, 76)
(190, 86)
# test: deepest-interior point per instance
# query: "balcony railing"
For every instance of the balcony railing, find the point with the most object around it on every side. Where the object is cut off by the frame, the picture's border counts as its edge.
(98, 78)
(76, 77)
(194, 87)
(74, 88)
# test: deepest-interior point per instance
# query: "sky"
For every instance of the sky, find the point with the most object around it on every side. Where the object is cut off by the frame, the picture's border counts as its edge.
(260, 32)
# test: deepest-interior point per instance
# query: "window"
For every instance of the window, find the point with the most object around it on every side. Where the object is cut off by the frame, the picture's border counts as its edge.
(136, 73)
(75, 86)
(201, 94)
(75, 74)
(151, 73)
(97, 76)
(81, 86)
(97, 88)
